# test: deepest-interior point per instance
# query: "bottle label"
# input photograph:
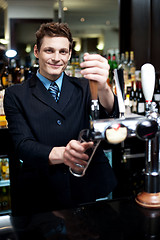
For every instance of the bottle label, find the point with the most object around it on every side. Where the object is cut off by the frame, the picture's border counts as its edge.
(157, 97)
(134, 106)
(140, 107)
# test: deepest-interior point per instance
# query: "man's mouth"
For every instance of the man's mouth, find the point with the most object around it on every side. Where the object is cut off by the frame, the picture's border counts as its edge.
(54, 65)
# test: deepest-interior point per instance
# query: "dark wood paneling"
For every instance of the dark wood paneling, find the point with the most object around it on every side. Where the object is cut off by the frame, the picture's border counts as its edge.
(155, 35)
(15, 21)
(140, 31)
(124, 21)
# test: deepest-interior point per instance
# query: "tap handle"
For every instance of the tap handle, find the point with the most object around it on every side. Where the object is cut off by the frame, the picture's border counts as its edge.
(93, 89)
(148, 81)
(94, 100)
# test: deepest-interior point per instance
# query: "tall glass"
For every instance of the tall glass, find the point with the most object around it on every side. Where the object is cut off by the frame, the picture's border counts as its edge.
(84, 137)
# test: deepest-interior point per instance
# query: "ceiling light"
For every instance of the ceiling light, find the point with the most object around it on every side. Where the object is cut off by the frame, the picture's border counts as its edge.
(28, 48)
(65, 9)
(77, 47)
(108, 22)
(82, 19)
(11, 53)
(100, 46)
(4, 41)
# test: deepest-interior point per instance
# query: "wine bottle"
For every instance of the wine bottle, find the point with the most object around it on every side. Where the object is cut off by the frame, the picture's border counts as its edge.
(121, 64)
(131, 98)
(125, 71)
(140, 100)
(131, 67)
(156, 95)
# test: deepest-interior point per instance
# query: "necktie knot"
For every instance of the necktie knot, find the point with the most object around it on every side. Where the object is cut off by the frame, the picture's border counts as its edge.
(54, 90)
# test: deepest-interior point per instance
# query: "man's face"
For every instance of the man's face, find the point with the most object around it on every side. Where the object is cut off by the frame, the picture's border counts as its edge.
(53, 56)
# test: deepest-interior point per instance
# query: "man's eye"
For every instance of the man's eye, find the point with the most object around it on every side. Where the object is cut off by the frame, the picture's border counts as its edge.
(64, 52)
(48, 51)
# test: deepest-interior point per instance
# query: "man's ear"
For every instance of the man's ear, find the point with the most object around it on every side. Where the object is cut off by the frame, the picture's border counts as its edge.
(35, 51)
(70, 54)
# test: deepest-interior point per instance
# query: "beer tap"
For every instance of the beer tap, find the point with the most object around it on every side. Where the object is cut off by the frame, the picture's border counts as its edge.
(151, 196)
(94, 100)
(148, 84)
(146, 128)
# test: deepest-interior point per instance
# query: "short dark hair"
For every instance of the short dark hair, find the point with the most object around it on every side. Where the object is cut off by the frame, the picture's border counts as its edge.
(53, 29)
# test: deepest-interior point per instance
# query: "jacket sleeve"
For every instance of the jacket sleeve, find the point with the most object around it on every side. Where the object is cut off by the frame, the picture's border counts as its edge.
(30, 151)
(115, 112)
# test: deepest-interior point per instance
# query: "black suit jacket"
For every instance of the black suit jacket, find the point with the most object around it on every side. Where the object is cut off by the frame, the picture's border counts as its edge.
(36, 124)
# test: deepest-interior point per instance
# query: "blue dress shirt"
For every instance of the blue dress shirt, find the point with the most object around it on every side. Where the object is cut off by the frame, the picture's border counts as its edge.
(46, 82)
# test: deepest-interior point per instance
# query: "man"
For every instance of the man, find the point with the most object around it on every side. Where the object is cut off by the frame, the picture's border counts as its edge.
(45, 130)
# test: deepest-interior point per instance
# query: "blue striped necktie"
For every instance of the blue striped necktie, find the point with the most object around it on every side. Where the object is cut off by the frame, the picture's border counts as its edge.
(54, 90)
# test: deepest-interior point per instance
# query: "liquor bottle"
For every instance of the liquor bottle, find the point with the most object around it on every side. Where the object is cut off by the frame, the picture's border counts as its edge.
(5, 198)
(125, 71)
(127, 105)
(131, 98)
(134, 106)
(114, 65)
(22, 74)
(77, 69)
(4, 77)
(109, 59)
(27, 73)
(16, 74)
(156, 96)
(131, 67)
(3, 121)
(5, 168)
(140, 100)
(134, 100)
(109, 80)
(122, 60)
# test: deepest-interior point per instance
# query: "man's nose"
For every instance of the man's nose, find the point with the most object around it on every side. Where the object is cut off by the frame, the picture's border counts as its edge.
(56, 56)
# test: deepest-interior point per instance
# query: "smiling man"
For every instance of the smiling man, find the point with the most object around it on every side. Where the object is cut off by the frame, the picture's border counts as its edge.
(45, 131)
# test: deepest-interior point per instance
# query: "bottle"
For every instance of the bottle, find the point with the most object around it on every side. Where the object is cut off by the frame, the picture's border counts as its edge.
(134, 101)
(109, 59)
(114, 65)
(77, 69)
(5, 198)
(4, 77)
(114, 62)
(127, 105)
(27, 73)
(22, 74)
(3, 121)
(5, 168)
(109, 80)
(16, 75)
(131, 98)
(134, 106)
(140, 101)
(122, 60)
(156, 96)
(125, 71)
(131, 67)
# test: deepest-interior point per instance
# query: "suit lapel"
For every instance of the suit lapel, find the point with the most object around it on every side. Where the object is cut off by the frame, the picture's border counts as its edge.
(41, 93)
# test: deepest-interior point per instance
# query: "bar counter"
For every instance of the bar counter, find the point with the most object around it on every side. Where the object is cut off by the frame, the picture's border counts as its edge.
(119, 219)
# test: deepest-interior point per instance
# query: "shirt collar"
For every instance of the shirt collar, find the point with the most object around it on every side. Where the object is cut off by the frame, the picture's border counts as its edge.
(47, 82)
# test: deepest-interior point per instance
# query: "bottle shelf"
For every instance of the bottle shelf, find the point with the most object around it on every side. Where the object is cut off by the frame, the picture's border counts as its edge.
(4, 183)
(5, 212)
